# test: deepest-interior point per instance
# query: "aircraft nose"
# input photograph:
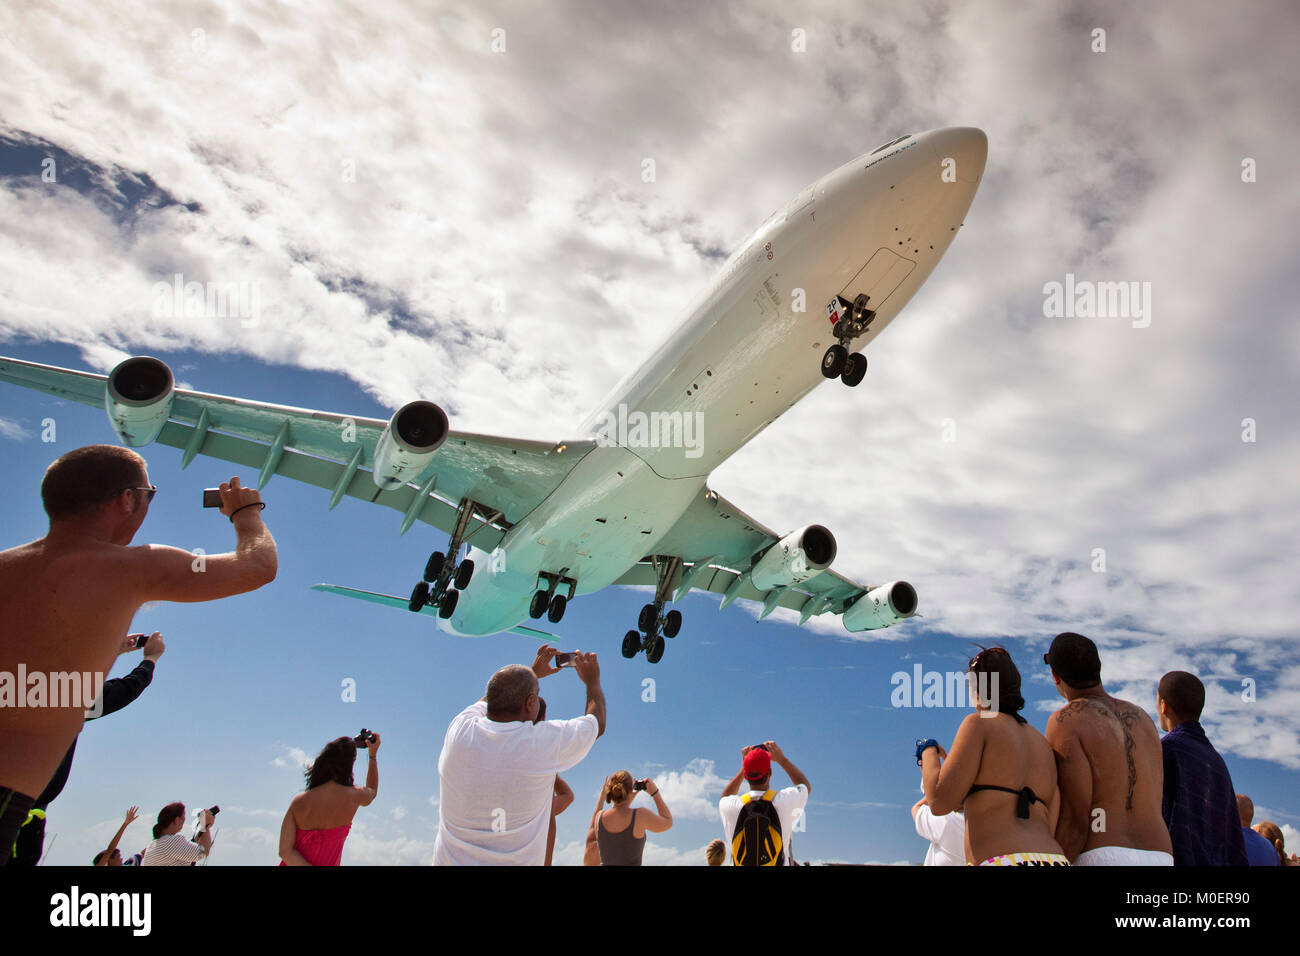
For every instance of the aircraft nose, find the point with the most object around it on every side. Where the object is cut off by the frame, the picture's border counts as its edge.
(967, 148)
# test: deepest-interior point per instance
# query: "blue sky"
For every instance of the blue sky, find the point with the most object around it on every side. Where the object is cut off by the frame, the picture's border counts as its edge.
(427, 216)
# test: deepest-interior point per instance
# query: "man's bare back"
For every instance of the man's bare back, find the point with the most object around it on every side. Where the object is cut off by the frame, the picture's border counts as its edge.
(1111, 773)
(67, 601)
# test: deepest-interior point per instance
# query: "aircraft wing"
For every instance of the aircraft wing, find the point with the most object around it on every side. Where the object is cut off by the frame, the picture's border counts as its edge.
(717, 543)
(509, 476)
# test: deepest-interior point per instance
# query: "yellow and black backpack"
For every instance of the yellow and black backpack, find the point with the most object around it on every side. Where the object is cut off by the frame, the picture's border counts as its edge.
(757, 838)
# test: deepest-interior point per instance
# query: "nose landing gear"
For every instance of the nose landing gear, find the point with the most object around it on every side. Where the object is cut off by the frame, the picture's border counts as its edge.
(849, 320)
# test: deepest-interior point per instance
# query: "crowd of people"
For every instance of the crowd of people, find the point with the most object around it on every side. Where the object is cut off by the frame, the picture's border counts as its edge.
(1100, 788)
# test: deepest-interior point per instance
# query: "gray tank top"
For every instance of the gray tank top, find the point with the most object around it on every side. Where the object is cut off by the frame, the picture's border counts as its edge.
(619, 849)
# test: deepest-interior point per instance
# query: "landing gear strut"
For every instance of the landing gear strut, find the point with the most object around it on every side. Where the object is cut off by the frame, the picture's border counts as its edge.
(441, 574)
(652, 621)
(849, 319)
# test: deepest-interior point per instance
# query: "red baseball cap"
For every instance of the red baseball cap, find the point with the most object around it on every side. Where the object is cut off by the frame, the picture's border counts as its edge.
(758, 764)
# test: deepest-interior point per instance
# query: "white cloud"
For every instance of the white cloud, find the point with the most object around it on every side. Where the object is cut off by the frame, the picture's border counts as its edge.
(293, 757)
(12, 430)
(693, 791)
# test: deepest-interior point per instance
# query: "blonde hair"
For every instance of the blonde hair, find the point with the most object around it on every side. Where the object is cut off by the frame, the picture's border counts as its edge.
(1271, 832)
(715, 853)
(617, 786)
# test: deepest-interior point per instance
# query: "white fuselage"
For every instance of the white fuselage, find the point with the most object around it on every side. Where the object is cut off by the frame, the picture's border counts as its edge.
(747, 351)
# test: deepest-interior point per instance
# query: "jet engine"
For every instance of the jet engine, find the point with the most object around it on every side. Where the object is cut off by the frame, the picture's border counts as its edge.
(881, 607)
(797, 557)
(408, 443)
(138, 399)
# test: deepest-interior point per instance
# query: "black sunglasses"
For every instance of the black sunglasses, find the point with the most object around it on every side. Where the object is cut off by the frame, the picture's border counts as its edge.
(152, 489)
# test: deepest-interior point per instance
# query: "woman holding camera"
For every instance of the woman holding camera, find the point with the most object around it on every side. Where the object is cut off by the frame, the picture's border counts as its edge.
(620, 831)
(318, 821)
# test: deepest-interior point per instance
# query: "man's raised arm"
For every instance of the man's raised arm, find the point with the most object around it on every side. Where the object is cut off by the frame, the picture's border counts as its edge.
(589, 673)
(172, 574)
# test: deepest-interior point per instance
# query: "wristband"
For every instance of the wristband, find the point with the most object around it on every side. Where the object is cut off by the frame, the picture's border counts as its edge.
(242, 507)
(921, 746)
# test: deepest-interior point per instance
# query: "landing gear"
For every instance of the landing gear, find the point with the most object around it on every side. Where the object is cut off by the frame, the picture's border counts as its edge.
(833, 361)
(655, 652)
(849, 320)
(442, 572)
(854, 369)
(546, 601)
(652, 619)
(672, 623)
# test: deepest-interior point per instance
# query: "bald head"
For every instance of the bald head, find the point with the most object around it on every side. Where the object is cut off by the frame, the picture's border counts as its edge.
(512, 694)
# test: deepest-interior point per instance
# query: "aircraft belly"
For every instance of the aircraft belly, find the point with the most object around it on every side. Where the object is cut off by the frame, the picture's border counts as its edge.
(607, 515)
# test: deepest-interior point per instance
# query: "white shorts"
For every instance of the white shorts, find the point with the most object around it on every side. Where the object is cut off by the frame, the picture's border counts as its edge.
(1123, 856)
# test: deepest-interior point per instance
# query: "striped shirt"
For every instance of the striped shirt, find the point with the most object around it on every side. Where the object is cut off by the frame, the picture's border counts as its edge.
(172, 850)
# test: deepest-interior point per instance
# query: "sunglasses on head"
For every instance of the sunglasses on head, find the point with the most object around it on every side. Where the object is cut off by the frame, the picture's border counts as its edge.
(988, 650)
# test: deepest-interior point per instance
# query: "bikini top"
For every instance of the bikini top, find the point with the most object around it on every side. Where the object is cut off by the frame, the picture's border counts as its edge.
(1026, 796)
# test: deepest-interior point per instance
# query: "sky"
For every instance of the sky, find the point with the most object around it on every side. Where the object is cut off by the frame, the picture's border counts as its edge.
(447, 202)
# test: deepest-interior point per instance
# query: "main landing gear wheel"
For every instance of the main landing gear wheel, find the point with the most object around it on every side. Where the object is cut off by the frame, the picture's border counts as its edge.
(419, 597)
(672, 623)
(655, 652)
(833, 361)
(631, 644)
(558, 604)
(537, 606)
(854, 369)
(464, 571)
(646, 619)
(434, 566)
(447, 606)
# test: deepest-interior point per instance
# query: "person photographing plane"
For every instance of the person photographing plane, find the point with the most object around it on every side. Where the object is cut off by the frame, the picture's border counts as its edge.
(67, 599)
(759, 826)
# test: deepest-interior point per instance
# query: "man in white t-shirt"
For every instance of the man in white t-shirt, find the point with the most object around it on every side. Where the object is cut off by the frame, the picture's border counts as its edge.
(756, 768)
(947, 835)
(497, 768)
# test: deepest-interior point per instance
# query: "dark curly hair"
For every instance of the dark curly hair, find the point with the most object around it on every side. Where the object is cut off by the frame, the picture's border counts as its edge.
(333, 763)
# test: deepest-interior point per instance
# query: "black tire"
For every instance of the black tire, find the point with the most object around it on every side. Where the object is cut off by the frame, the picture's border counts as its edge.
(646, 619)
(537, 606)
(631, 644)
(672, 623)
(464, 571)
(556, 611)
(654, 654)
(447, 606)
(419, 597)
(833, 361)
(434, 566)
(854, 369)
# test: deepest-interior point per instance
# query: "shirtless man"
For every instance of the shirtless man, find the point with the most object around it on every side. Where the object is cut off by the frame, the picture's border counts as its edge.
(67, 600)
(1109, 766)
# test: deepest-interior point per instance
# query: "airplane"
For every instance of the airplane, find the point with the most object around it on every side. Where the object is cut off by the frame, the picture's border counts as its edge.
(627, 501)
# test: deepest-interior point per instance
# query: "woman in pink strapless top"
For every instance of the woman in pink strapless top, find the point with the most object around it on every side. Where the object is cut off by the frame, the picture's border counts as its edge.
(318, 821)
